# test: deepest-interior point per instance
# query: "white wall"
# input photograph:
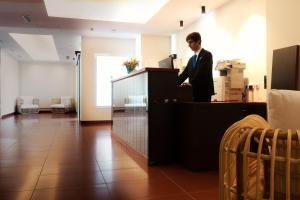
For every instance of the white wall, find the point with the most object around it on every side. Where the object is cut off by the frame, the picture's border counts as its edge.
(47, 80)
(9, 83)
(90, 47)
(236, 30)
(154, 48)
(283, 28)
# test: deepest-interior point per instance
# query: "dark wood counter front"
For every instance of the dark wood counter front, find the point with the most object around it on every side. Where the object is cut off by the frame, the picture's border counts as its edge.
(201, 127)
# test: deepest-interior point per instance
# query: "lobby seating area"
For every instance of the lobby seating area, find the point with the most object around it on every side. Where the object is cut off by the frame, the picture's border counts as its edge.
(27, 105)
(62, 104)
(30, 105)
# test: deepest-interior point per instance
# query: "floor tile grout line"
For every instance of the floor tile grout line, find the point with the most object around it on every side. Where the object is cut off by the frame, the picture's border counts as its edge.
(42, 167)
(170, 179)
(162, 172)
(86, 141)
(61, 131)
(104, 179)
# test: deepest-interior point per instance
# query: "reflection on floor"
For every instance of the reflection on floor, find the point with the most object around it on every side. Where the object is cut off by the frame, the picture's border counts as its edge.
(50, 156)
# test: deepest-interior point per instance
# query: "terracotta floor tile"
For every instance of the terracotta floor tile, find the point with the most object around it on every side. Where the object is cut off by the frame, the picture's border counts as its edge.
(18, 184)
(207, 194)
(129, 174)
(70, 157)
(55, 194)
(25, 195)
(60, 159)
(94, 193)
(153, 187)
(6, 172)
(118, 164)
(22, 162)
(70, 180)
(171, 197)
(6, 144)
(23, 155)
(71, 168)
(31, 145)
(192, 181)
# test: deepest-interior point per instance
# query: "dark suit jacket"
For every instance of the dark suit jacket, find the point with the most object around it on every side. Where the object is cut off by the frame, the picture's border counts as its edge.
(201, 77)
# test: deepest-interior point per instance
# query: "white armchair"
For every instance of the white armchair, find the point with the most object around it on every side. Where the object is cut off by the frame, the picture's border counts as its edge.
(28, 105)
(62, 105)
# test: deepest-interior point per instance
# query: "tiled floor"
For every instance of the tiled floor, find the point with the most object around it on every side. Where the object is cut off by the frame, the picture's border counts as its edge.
(50, 156)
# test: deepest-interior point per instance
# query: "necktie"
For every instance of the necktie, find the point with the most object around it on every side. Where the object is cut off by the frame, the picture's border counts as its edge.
(194, 61)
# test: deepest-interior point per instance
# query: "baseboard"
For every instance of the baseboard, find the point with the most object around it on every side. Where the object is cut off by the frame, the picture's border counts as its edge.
(50, 111)
(98, 122)
(8, 115)
(45, 111)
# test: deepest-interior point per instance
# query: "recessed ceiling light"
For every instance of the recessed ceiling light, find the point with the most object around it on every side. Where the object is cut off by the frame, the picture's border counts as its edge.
(38, 47)
(92, 29)
(203, 10)
(67, 57)
(113, 30)
(181, 24)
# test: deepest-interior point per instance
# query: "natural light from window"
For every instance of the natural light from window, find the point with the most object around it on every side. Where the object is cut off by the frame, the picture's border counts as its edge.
(108, 68)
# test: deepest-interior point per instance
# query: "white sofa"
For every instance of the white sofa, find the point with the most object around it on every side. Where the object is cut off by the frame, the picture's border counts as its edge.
(63, 104)
(27, 105)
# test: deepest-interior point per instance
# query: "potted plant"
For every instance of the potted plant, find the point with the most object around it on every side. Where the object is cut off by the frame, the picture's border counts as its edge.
(131, 64)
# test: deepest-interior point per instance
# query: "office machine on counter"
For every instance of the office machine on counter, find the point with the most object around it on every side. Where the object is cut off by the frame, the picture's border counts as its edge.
(230, 86)
(168, 62)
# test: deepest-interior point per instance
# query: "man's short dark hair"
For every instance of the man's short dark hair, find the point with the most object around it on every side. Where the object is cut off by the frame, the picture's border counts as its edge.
(195, 37)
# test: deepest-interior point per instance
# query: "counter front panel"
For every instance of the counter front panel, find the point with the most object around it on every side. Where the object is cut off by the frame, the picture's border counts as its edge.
(130, 111)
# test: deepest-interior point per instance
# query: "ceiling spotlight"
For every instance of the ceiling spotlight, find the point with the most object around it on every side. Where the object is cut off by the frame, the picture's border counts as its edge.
(181, 24)
(26, 18)
(92, 29)
(203, 10)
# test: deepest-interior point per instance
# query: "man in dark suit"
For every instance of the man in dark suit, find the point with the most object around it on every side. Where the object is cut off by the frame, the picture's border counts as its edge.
(198, 70)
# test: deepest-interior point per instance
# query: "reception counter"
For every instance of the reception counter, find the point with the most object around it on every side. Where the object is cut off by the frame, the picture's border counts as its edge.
(142, 105)
(200, 128)
(154, 118)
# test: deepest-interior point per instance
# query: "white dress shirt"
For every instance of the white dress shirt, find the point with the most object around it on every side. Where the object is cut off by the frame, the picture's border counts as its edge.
(197, 53)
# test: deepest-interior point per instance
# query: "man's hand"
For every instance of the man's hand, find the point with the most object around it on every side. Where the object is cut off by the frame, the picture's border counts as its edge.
(185, 85)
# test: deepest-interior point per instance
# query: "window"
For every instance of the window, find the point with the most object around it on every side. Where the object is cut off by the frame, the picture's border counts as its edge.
(108, 68)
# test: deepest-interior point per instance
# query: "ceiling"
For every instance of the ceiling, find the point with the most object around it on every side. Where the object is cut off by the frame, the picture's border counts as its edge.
(68, 31)
(130, 11)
